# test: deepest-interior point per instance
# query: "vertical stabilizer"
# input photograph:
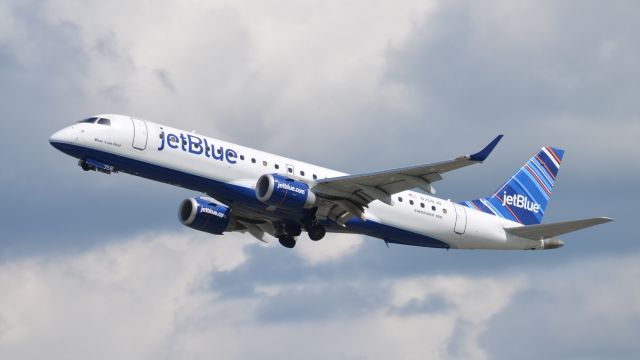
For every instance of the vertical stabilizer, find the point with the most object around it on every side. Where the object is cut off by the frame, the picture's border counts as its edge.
(524, 197)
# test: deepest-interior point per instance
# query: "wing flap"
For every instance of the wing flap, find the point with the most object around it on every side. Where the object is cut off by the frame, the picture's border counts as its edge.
(545, 231)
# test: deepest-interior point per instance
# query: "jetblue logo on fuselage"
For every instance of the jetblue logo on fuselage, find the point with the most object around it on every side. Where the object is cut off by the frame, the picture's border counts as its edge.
(290, 188)
(520, 201)
(197, 146)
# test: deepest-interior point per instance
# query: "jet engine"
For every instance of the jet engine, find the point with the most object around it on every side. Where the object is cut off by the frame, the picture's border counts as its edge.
(283, 192)
(202, 214)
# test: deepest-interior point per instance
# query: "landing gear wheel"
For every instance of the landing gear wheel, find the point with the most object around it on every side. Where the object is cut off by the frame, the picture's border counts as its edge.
(316, 232)
(287, 241)
(84, 165)
(292, 230)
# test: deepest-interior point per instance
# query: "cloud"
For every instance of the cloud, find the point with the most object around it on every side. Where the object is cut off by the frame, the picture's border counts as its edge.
(332, 248)
(258, 75)
(365, 77)
(156, 296)
(537, 72)
(357, 87)
(123, 300)
(149, 296)
(235, 69)
(588, 308)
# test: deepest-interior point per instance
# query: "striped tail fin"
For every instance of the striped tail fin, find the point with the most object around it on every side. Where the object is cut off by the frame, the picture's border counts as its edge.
(524, 197)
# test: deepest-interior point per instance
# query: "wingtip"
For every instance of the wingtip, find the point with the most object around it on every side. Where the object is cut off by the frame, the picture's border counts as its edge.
(484, 153)
(601, 220)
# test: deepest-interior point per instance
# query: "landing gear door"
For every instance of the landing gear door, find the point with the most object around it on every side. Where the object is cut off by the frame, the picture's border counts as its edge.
(140, 134)
(461, 219)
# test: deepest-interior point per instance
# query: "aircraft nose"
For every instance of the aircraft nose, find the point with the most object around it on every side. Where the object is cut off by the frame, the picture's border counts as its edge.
(59, 138)
(56, 137)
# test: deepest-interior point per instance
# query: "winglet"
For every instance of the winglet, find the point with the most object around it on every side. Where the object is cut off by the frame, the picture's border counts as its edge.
(484, 153)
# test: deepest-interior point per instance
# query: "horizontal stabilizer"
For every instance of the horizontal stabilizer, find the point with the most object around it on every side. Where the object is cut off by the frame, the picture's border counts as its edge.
(545, 231)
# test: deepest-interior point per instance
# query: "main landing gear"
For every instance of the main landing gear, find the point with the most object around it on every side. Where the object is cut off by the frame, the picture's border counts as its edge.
(290, 232)
(316, 232)
(287, 241)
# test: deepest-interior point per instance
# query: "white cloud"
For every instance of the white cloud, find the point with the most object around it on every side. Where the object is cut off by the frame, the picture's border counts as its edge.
(332, 248)
(152, 297)
(329, 82)
(119, 301)
(233, 68)
(587, 308)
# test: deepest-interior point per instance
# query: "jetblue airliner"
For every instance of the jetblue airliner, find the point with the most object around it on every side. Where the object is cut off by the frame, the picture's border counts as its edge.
(270, 196)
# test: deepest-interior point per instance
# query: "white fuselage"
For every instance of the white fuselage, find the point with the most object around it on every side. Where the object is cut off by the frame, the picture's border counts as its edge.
(187, 159)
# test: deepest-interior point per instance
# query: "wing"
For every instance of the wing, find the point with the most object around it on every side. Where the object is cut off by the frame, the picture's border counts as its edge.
(346, 196)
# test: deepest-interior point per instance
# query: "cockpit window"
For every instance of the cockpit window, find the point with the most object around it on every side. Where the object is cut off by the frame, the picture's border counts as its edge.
(103, 121)
(89, 120)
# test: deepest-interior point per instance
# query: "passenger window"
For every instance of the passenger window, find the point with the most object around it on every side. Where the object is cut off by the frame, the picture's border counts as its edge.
(264, 163)
(103, 121)
(277, 166)
(444, 211)
(433, 208)
(301, 173)
(242, 157)
(399, 198)
(253, 160)
(411, 202)
(422, 205)
(315, 177)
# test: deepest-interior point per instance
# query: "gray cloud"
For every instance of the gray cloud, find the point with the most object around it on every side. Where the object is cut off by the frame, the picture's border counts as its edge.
(432, 304)
(321, 302)
(587, 309)
(523, 62)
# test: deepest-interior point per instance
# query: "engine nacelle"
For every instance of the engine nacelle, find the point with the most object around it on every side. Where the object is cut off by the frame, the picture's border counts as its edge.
(283, 192)
(204, 215)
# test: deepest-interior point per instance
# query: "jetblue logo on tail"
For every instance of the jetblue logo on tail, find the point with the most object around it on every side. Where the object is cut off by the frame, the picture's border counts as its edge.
(520, 201)
(525, 195)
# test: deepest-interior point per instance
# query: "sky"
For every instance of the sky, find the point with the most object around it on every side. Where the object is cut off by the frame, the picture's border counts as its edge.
(98, 266)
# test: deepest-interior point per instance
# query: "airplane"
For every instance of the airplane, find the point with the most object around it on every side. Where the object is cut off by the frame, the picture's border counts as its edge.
(272, 197)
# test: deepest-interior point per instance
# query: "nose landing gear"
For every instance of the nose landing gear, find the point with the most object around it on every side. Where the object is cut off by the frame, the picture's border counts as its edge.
(90, 164)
